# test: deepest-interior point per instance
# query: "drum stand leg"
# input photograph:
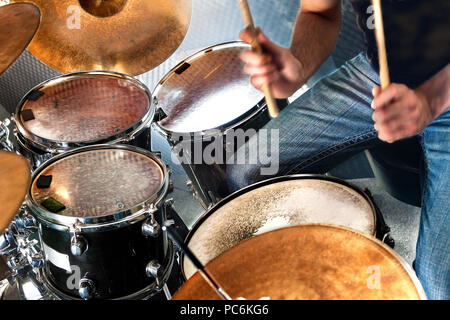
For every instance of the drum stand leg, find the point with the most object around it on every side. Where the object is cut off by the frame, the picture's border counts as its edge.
(167, 292)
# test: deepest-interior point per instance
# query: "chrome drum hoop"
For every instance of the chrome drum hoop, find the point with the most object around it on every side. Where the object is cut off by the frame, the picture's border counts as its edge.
(259, 107)
(270, 181)
(56, 147)
(104, 223)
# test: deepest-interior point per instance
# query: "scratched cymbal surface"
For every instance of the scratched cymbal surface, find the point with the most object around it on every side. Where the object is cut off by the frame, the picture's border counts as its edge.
(127, 36)
(15, 180)
(308, 262)
(18, 24)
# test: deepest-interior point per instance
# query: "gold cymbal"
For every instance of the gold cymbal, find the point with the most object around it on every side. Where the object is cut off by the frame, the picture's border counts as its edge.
(15, 180)
(127, 36)
(308, 262)
(18, 24)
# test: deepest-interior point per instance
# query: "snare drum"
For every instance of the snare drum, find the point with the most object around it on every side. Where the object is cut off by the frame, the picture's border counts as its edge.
(99, 211)
(277, 203)
(83, 109)
(202, 99)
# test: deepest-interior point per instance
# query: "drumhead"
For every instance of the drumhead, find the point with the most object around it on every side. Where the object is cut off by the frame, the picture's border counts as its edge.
(308, 262)
(278, 205)
(96, 182)
(83, 107)
(207, 91)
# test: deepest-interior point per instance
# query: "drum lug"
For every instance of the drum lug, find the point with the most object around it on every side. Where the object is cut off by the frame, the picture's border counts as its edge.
(151, 227)
(154, 270)
(78, 245)
(86, 289)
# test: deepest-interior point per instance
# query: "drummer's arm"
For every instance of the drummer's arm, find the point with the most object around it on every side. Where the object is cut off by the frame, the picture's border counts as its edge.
(314, 37)
(401, 112)
(315, 33)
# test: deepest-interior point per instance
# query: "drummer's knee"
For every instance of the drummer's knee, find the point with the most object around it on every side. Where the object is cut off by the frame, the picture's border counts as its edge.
(256, 160)
(432, 269)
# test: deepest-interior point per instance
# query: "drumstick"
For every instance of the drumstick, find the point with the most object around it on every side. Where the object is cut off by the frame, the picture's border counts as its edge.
(256, 46)
(381, 43)
(191, 256)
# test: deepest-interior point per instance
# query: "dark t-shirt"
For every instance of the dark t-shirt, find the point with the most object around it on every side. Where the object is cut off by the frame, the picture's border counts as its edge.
(417, 37)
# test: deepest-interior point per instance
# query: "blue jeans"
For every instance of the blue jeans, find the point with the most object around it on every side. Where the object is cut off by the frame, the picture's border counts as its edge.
(332, 121)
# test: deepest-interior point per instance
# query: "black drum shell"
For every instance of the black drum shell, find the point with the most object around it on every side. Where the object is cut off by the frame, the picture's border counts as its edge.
(209, 181)
(115, 259)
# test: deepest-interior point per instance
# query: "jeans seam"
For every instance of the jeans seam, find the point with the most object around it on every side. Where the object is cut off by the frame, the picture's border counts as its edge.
(326, 153)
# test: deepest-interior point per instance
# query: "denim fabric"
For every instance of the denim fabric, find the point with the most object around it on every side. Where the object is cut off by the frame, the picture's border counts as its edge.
(332, 122)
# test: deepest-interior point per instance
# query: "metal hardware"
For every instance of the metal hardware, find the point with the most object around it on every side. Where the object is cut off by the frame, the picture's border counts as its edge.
(25, 220)
(157, 154)
(151, 227)
(36, 260)
(154, 270)
(7, 242)
(78, 245)
(87, 289)
(5, 142)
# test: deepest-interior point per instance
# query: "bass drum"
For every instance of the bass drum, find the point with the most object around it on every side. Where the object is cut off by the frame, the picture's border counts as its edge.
(277, 203)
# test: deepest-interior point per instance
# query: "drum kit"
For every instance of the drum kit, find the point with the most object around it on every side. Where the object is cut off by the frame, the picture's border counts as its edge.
(84, 199)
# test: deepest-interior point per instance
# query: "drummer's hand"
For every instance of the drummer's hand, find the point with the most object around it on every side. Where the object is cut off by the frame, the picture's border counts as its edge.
(276, 66)
(400, 112)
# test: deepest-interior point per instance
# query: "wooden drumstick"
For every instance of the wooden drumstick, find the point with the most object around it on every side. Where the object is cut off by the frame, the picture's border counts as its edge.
(256, 46)
(381, 43)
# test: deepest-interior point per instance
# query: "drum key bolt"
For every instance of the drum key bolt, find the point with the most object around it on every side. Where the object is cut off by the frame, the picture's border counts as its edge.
(87, 289)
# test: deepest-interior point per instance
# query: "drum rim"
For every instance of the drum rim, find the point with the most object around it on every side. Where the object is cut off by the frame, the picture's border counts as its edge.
(53, 146)
(109, 221)
(407, 268)
(261, 105)
(270, 181)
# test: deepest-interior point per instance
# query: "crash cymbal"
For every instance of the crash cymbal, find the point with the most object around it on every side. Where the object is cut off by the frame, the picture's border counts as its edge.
(127, 36)
(308, 262)
(14, 183)
(18, 24)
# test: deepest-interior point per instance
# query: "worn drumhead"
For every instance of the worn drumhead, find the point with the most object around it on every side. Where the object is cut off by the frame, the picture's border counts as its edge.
(208, 91)
(97, 183)
(278, 205)
(84, 108)
(308, 262)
